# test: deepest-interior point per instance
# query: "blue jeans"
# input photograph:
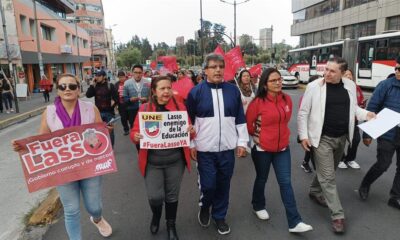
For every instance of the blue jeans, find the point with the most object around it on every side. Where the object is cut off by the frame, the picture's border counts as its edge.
(70, 197)
(282, 166)
(106, 117)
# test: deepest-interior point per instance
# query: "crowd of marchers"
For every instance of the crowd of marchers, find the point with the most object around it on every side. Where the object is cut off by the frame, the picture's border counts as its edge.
(227, 120)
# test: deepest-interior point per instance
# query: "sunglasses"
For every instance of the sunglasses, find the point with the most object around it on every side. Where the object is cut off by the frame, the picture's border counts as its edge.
(397, 69)
(70, 86)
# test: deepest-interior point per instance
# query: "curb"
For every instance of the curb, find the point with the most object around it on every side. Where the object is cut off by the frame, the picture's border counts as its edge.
(19, 118)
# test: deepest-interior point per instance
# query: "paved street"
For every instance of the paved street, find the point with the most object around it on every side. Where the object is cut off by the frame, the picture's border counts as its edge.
(126, 207)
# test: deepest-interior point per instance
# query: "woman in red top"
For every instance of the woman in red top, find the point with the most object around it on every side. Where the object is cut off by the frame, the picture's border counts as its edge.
(162, 168)
(349, 158)
(45, 87)
(267, 118)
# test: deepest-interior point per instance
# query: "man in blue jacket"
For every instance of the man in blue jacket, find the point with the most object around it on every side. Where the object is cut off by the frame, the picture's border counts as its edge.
(216, 110)
(386, 95)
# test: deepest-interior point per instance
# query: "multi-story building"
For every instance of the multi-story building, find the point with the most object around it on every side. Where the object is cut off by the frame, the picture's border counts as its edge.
(63, 45)
(180, 41)
(266, 38)
(325, 21)
(111, 63)
(90, 16)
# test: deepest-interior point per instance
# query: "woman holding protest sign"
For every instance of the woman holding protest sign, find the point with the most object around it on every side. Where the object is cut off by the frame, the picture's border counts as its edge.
(69, 111)
(162, 168)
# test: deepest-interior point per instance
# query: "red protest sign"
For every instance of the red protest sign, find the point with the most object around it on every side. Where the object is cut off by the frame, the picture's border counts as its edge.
(66, 155)
(169, 62)
(219, 50)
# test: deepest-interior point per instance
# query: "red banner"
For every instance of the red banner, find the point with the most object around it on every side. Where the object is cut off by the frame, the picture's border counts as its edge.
(169, 62)
(233, 61)
(182, 87)
(256, 70)
(66, 155)
(219, 50)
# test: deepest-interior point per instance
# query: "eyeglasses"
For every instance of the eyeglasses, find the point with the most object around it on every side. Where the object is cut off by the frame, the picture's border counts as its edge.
(397, 69)
(216, 66)
(70, 86)
(276, 81)
(137, 72)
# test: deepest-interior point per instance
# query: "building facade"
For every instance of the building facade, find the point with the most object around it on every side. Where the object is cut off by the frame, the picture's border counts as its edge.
(90, 16)
(63, 45)
(326, 21)
(266, 38)
(110, 54)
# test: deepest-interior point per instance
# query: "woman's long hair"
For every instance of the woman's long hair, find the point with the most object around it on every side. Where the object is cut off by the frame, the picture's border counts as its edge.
(153, 86)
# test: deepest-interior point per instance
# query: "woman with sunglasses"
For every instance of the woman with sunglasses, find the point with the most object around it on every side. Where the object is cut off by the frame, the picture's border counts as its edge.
(268, 116)
(162, 168)
(69, 111)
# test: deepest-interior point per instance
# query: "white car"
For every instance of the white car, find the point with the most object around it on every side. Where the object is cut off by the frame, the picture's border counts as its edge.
(289, 81)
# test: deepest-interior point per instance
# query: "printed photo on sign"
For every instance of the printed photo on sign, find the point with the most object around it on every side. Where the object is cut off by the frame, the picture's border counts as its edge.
(66, 155)
(162, 130)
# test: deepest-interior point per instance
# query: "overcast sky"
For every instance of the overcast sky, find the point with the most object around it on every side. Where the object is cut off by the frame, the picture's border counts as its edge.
(164, 20)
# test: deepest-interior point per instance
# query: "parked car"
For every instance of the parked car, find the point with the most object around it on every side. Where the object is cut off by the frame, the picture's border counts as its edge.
(289, 81)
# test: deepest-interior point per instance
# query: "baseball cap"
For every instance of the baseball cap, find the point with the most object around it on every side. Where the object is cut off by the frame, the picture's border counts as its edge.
(101, 73)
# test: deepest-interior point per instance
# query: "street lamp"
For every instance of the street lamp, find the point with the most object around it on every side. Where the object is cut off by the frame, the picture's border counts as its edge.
(234, 16)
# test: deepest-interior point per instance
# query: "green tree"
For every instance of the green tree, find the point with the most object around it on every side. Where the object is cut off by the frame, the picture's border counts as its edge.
(129, 57)
(146, 49)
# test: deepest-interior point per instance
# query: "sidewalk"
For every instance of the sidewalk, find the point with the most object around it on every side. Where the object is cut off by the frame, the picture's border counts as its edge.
(28, 107)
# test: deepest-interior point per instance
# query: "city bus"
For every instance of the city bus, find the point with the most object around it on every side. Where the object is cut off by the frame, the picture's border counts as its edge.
(376, 58)
(371, 58)
(310, 61)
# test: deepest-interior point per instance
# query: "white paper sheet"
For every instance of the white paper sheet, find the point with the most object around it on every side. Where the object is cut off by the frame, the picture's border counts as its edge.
(385, 120)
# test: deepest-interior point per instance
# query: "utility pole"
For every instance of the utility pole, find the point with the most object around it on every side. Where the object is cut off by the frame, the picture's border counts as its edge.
(10, 65)
(234, 16)
(39, 48)
(201, 31)
(79, 53)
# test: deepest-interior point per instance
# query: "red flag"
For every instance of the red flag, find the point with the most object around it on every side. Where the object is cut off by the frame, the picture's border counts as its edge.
(233, 61)
(182, 87)
(153, 65)
(256, 70)
(219, 50)
(169, 62)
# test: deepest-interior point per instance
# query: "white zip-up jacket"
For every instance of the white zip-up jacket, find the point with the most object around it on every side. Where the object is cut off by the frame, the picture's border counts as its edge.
(310, 119)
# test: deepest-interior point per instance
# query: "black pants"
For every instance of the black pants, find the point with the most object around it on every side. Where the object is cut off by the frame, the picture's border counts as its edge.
(1, 102)
(7, 99)
(46, 96)
(123, 112)
(352, 150)
(385, 152)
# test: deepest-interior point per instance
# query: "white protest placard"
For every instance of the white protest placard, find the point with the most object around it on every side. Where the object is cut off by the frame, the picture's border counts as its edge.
(163, 130)
(21, 89)
(385, 120)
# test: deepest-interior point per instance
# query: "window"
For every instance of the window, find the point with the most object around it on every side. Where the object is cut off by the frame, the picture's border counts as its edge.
(32, 27)
(317, 38)
(393, 23)
(359, 30)
(24, 24)
(68, 38)
(353, 3)
(48, 33)
(381, 49)
(366, 51)
(321, 9)
(74, 40)
(80, 6)
(85, 43)
(394, 48)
